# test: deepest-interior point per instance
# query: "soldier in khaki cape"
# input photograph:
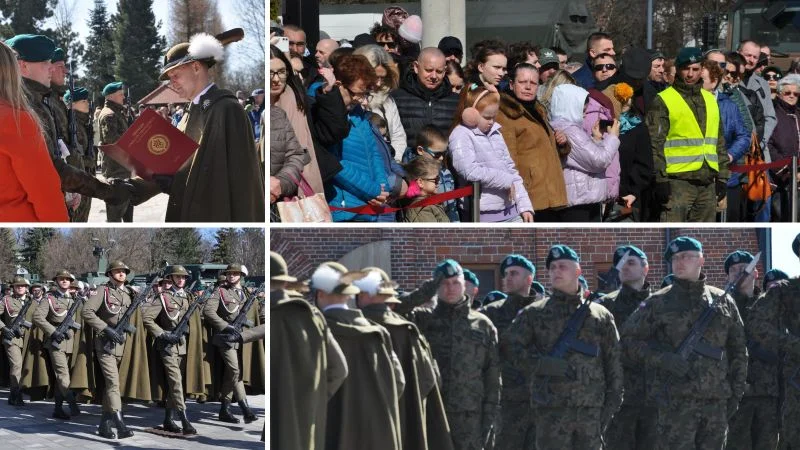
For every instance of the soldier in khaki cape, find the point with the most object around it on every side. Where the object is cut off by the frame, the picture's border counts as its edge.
(101, 312)
(48, 315)
(634, 426)
(160, 317)
(581, 391)
(112, 124)
(219, 311)
(695, 397)
(10, 307)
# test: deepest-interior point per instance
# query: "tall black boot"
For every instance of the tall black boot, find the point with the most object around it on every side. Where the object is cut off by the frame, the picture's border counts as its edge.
(73, 403)
(187, 427)
(122, 430)
(12, 397)
(18, 401)
(225, 414)
(105, 426)
(169, 424)
(58, 412)
(249, 415)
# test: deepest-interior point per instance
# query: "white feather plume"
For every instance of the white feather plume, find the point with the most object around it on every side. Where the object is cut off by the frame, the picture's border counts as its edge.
(203, 46)
(325, 279)
(370, 283)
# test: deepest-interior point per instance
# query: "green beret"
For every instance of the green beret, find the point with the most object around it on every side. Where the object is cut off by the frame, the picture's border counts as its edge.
(774, 275)
(737, 257)
(447, 269)
(633, 251)
(471, 277)
(538, 288)
(493, 296)
(682, 244)
(688, 55)
(583, 282)
(560, 252)
(519, 261)
(58, 55)
(80, 94)
(32, 48)
(667, 281)
(111, 88)
(796, 245)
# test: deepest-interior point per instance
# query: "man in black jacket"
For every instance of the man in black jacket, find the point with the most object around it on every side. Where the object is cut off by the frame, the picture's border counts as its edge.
(425, 95)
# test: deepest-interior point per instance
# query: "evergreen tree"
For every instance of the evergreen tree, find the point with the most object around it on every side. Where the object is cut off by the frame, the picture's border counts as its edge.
(177, 246)
(99, 60)
(224, 249)
(68, 40)
(8, 251)
(27, 16)
(138, 46)
(33, 245)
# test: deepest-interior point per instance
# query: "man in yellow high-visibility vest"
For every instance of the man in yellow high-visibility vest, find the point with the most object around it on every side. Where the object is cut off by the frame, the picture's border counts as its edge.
(689, 155)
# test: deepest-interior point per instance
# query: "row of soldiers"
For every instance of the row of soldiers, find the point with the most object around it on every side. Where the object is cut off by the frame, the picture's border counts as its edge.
(98, 346)
(685, 366)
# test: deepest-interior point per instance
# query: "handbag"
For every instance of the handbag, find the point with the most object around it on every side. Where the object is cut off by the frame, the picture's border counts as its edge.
(757, 187)
(307, 206)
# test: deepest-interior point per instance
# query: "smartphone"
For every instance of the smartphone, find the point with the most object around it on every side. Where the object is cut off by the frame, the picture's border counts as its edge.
(604, 124)
(283, 44)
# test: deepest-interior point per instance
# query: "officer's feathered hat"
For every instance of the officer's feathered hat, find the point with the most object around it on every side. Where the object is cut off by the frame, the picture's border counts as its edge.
(201, 47)
(334, 278)
(377, 282)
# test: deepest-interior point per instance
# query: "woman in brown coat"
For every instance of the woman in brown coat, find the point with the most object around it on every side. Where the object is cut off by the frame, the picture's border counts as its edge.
(532, 143)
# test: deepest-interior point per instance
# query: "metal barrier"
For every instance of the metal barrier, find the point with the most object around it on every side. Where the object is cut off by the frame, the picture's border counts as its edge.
(793, 197)
(475, 202)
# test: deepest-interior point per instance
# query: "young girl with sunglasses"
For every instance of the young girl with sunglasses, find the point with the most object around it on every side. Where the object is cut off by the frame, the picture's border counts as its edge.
(423, 178)
(432, 144)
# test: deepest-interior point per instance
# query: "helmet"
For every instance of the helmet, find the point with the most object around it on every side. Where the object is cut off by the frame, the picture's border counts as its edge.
(234, 267)
(19, 280)
(178, 270)
(64, 273)
(77, 285)
(117, 265)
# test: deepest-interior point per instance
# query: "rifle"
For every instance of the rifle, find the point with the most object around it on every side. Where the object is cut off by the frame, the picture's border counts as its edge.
(761, 354)
(73, 132)
(568, 340)
(20, 322)
(610, 279)
(123, 327)
(240, 321)
(66, 324)
(183, 326)
(694, 342)
(128, 107)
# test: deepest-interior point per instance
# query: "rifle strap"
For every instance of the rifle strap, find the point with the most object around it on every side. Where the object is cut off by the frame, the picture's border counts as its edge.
(703, 326)
(578, 317)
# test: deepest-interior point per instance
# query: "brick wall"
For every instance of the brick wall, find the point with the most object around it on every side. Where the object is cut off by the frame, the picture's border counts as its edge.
(415, 251)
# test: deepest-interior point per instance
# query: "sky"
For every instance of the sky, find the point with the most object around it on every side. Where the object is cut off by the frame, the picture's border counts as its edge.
(782, 255)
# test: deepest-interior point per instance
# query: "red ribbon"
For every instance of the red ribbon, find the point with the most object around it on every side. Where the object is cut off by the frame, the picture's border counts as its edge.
(760, 167)
(432, 200)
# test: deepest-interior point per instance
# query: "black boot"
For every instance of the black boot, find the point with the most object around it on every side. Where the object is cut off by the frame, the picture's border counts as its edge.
(187, 427)
(122, 430)
(249, 416)
(73, 404)
(105, 426)
(169, 424)
(12, 397)
(58, 412)
(225, 414)
(18, 401)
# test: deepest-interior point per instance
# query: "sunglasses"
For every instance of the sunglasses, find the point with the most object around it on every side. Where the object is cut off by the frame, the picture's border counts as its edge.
(792, 94)
(433, 180)
(388, 44)
(599, 67)
(437, 155)
(722, 64)
(772, 77)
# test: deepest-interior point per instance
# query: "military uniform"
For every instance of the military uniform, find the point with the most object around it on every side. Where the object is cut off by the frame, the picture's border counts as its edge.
(83, 124)
(10, 307)
(112, 123)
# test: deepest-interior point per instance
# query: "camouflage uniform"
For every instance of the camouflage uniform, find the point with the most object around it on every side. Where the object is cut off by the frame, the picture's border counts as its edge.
(82, 124)
(696, 410)
(634, 426)
(112, 123)
(515, 428)
(578, 405)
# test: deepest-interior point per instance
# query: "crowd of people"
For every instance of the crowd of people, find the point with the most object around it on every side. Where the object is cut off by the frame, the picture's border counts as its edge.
(545, 136)
(355, 363)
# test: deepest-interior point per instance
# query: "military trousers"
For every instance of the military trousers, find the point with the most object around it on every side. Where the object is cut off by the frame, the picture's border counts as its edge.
(465, 428)
(790, 433)
(172, 369)
(516, 429)
(690, 202)
(14, 354)
(60, 362)
(755, 425)
(122, 212)
(568, 428)
(109, 365)
(232, 385)
(633, 428)
(686, 424)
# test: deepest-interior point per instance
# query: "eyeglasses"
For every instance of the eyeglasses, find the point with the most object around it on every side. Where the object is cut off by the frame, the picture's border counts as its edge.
(365, 96)
(388, 44)
(433, 180)
(722, 64)
(576, 18)
(609, 67)
(790, 93)
(732, 75)
(281, 74)
(437, 155)
(772, 77)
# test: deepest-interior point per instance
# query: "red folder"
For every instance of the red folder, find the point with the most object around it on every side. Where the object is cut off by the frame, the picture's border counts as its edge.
(151, 146)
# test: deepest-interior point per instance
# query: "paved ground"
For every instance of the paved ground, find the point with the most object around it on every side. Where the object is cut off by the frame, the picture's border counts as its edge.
(32, 427)
(153, 210)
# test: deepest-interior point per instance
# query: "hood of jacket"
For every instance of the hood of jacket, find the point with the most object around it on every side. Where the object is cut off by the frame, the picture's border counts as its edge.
(411, 84)
(567, 103)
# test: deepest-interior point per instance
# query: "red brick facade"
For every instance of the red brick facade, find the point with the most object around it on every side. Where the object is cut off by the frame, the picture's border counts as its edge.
(415, 251)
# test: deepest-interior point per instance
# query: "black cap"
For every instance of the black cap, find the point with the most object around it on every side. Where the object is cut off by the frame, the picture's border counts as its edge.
(636, 63)
(363, 39)
(451, 45)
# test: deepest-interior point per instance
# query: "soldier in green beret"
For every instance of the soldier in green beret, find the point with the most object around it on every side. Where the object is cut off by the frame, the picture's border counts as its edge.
(85, 155)
(772, 277)
(472, 284)
(693, 412)
(111, 126)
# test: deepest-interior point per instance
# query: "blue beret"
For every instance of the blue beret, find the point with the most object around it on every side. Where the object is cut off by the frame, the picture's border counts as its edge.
(80, 94)
(493, 297)
(682, 244)
(538, 288)
(560, 252)
(447, 269)
(583, 282)
(796, 245)
(32, 48)
(111, 88)
(471, 277)
(58, 55)
(774, 275)
(737, 257)
(688, 55)
(634, 251)
(519, 261)
(667, 281)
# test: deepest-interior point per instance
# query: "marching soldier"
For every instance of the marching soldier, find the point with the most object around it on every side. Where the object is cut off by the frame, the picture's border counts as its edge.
(37, 292)
(574, 395)
(102, 312)
(693, 411)
(160, 317)
(112, 125)
(9, 309)
(634, 426)
(219, 311)
(84, 128)
(48, 315)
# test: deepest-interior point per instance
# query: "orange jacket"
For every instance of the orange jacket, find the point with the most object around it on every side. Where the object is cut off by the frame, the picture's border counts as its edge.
(30, 188)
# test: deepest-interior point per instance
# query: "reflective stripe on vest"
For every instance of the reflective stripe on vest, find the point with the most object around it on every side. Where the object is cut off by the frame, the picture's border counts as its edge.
(686, 147)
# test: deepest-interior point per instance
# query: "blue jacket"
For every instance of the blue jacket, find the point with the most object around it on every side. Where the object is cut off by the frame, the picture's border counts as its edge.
(584, 76)
(737, 138)
(366, 164)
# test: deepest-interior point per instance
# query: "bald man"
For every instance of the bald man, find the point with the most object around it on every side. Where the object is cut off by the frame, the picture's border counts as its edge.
(324, 49)
(425, 95)
(752, 81)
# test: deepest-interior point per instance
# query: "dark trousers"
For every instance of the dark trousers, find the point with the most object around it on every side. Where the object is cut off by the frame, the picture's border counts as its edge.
(582, 213)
